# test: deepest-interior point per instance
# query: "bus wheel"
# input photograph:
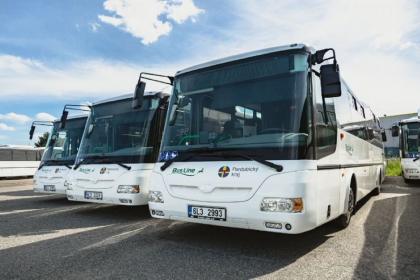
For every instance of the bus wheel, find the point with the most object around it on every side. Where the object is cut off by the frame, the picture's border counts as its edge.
(377, 190)
(344, 220)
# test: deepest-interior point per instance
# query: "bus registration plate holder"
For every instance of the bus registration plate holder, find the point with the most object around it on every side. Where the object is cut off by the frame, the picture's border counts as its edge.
(93, 195)
(49, 188)
(207, 213)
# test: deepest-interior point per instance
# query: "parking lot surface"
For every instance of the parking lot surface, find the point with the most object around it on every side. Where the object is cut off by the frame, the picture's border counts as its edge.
(47, 236)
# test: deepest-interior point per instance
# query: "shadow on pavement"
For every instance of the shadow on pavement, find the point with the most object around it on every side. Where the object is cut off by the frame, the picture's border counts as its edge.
(392, 243)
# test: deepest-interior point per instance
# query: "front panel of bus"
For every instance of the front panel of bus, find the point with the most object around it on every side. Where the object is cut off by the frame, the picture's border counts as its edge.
(117, 154)
(59, 155)
(410, 150)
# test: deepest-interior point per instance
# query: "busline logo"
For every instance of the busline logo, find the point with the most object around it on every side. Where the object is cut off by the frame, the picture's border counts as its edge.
(224, 171)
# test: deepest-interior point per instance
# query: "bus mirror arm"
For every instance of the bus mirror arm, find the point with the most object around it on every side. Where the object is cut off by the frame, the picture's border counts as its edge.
(34, 124)
(78, 107)
(141, 86)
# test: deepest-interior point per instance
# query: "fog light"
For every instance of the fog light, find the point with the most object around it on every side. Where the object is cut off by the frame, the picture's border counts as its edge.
(274, 225)
(157, 213)
(156, 196)
(128, 189)
(70, 197)
(124, 200)
(288, 226)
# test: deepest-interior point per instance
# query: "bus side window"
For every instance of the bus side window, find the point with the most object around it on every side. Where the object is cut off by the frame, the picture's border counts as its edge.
(326, 124)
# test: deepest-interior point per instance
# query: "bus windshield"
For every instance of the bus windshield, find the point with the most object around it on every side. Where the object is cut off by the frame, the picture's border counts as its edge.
(119, 132)
(261, 105)
(411, 140)
(63, 144)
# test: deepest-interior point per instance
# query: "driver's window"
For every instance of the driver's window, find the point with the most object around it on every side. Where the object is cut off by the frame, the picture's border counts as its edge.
(326, 125)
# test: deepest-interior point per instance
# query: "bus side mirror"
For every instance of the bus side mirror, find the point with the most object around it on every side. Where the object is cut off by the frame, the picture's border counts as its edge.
(173, 114)
(370, 134)
(138, 96)
(395, 130)
(31, 132)
(330, 81)
(90, 130)
(383, 136)
(63, 119)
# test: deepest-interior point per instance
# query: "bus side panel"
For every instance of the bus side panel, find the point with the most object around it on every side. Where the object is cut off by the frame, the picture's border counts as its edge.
(328, 192)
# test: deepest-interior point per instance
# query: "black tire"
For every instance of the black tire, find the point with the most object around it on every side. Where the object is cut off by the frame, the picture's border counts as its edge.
(344, 220)
(407, 181)
(377, 190)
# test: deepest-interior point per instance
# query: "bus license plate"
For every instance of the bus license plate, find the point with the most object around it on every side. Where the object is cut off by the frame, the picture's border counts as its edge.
(49, 188)
(207, 213)
(93, 195)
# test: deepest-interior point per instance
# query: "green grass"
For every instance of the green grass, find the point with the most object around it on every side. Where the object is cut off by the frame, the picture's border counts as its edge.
(393, 167)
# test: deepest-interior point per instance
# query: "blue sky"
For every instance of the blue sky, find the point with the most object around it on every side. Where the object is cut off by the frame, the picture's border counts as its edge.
(58, 52)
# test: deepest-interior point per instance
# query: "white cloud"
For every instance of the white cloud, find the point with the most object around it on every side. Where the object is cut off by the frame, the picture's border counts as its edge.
(17, 118)
(182, 10)
(407, 45)
(94, 26)
(6, 128)
(367, 37)
(93, 79)
(143, 18)
(44, 117)
(77, 27)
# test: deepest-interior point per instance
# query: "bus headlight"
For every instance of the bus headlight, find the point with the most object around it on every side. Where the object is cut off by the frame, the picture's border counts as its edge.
(128, 189)
(288, 205)
(69, 186)
(155, 196)
(411, 170)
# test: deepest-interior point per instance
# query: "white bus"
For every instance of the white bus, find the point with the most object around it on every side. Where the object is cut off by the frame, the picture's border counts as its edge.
(119, 148)
(268, 140)
(59, 155)
(409, 134)
(19, 161)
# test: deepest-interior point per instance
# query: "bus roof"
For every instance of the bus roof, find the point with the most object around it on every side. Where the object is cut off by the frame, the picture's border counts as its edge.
(130, 95)
(247, 55)
(75, 116)
(20, 147)
(410, 120)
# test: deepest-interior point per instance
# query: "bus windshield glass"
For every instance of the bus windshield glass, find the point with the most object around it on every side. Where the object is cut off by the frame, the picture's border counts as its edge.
(118, 132)
(411, 140)
(259, 105)
(63, 144)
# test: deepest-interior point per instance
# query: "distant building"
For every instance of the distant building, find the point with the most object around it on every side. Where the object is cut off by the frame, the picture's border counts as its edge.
(391, 145)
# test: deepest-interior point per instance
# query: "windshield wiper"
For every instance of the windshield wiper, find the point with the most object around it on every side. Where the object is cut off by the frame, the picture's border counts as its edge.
(277, 167)
(54, 162)
(190, 153)
(115, 162)
(416, 159)
(94, 158)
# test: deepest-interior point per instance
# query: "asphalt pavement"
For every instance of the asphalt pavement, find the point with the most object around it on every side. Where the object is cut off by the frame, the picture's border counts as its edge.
(49, 237)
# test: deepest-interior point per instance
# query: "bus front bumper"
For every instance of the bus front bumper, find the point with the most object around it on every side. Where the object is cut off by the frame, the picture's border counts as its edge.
(108, 196)
(246, 215)
(50, 188)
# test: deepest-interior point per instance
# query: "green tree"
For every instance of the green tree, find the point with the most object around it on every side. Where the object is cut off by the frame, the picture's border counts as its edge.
(42, 141)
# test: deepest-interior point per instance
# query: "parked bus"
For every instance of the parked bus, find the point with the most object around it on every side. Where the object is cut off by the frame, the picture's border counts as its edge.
(119, 148)
(19, 161)
(408, 131)
(59, 155)
(266, 140)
